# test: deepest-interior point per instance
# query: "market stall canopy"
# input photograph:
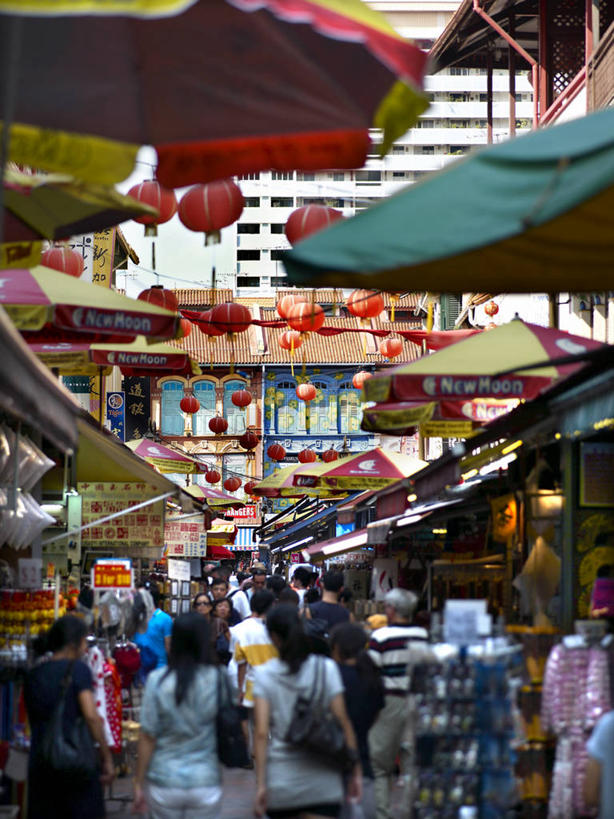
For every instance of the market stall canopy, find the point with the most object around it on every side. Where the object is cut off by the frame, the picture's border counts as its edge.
(280, 484)
(222, 533)
(217, 91)
(336, 546)
(213, 497)
(533, 214)
(365, 470)
(164, 458)
(446, 419)
(29, 392)
(136, 358)
(468, 370)
(41, 296)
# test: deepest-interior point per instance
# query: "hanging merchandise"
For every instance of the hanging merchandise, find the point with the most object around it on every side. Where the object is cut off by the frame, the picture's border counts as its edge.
(209, 208)
(152, 193)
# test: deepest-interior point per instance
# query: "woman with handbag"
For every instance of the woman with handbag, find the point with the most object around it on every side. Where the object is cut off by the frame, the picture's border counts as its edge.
(64, 777)
(177, 772)
(298, 696)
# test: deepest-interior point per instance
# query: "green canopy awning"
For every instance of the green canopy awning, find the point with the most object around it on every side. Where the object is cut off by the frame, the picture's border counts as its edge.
(533, 214)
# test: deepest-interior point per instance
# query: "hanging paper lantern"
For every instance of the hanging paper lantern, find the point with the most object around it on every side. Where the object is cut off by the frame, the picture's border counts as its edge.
(305, 317)
(306, 392)
(162, 199)
(249, 487)
(185, 328)
(307, 456)
(249, 440)
(207, 326)
(158, 295)
(330, 455)
(189, 404)
(241, 398)
(212, 476)
(231, 317)
(218, 425)
(209, 208)
(491, 309)
(276, 452)
(359, 379)
(391, 347)
(309, 219)
(286, 302)
(232, 484)
(365, 304)
(290, 340)
(64, 259)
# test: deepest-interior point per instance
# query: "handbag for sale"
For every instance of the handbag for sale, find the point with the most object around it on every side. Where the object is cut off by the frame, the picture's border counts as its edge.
(316, 729)
(231, 748)
(68, 753)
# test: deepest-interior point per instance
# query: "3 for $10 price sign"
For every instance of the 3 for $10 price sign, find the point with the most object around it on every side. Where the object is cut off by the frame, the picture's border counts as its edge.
(112, 574)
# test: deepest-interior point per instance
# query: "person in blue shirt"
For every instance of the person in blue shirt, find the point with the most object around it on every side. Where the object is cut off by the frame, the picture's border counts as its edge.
(599, 782)
(155, 643)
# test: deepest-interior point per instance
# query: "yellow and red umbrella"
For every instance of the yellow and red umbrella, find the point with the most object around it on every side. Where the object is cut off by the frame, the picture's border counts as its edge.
(374, 469)
(281, 484)
(165, 459)
(222, 533)
(214, 497)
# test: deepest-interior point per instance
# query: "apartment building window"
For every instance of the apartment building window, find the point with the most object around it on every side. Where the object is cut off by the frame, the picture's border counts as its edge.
(172, 416)
(313, 200)
(349, 408)
(249, 176)
(307, 177)
(368, 176)
(456, 150)
(277, 255)
(398, 149)
(277, 227)
(204, 391)
(248, 281)
(248, 227)
(321, 411)
(280, 175)
(278, 281)
(248, 255)
(236, 416)
(338, 177)
(426, 123)
(455, 71)
(282, 202)
(289, 412)
(427, 149)
(252, 201)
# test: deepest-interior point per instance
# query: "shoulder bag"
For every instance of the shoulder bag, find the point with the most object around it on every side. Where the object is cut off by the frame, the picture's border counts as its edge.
(316, 729)
(70, 753)
(231, 747)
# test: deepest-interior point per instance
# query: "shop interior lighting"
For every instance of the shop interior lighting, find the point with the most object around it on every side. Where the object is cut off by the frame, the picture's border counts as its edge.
(558, 436)
(471, 474)
(408, 520)
(440, 531)
(511, 447)
(297, 543)
(411, 498)
(500, 463)
(604, 423)
(342, 546)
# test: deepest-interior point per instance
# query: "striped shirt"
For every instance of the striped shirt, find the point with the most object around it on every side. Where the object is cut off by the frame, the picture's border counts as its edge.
(393, 649)
(252, 645)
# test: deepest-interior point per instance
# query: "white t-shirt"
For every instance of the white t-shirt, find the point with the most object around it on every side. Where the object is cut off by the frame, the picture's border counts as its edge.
(253, 646)
(240, 603)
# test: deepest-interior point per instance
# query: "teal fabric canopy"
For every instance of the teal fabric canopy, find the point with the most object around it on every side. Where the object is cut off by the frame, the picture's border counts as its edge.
(533, 214)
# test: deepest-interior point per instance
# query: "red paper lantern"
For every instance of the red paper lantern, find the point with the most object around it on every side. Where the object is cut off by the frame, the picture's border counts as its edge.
(64, 259)
(218, 425)
(189, 404)
(391, 347)
(241, 398)
(286, 302)
(232, 484)
(306, 392)
(162, 199)
(330, 455)
(491, 309)
(209, 208)
(359, 379)
(365, 304)
(207, 326)
(276, 452)
(159, 296)
(249, 487)
(185, 327)
(307, 456)
(309, 219)
(249, 440)
(231, 317)
(290, 340)
(212, 476)
(305, 317)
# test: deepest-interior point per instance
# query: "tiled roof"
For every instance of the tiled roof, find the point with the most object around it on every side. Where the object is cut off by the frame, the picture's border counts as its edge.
(203, 298)
(336, 296)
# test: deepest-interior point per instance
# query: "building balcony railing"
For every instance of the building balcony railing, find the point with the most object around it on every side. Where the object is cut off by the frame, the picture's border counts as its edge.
(600, 85)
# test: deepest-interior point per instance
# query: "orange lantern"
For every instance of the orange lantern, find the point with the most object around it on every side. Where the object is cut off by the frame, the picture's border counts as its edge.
(231, 318)
(309, 219)
(330, 455)
(232, 484)
(305, 317)
(209, 208)
(162, 199)
(290, 340)
(391, 347)
(307, 456)
(286, 302)
(491, 309)
(249, 440)
(359, 379)
(218, 425)
(306, 392)
(241, 398)
(365, 304)
(158, 295)
(212, 476)
(276, 452)
(189, 404)
(185, 327)
(64, 259)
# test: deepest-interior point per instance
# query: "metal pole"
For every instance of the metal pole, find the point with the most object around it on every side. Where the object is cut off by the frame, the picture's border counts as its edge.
(511, 66)
(489, 63)
(570, 493)
(12, 50)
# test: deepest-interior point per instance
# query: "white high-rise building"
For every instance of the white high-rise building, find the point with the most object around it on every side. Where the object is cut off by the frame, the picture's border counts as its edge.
(455, 122)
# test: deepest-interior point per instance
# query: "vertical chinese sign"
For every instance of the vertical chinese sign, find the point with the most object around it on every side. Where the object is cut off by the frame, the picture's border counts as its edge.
(116, 414)
(138, 406)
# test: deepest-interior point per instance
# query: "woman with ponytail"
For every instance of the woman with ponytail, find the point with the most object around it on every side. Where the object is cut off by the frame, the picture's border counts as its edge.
(364, 698)
(291, 782)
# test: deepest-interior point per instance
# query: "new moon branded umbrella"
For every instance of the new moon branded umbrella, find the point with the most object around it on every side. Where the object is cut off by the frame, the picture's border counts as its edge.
(533, 214)
(165, 459)
(281, 484)
(214, 497)
(468, 369)
(366, 470)
(41, 296)
(446, 419)
(218, 88)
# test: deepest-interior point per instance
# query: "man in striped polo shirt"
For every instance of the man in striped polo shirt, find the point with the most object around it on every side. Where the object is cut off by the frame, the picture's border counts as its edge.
(394, 649)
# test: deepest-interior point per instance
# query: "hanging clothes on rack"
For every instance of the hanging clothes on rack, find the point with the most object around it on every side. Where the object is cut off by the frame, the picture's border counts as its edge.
(113, 702)
(95, 659)
(576, 693)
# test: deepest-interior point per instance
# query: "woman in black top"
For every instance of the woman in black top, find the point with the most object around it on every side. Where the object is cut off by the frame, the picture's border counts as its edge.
(51, 795)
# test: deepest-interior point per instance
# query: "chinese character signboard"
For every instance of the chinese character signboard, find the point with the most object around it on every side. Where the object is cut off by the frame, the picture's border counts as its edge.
(112, 574)
(137, 407)
(116, 414)
(102, 257)
(185, 538)
(130, 533)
